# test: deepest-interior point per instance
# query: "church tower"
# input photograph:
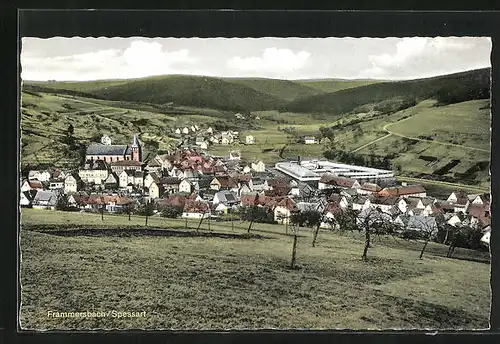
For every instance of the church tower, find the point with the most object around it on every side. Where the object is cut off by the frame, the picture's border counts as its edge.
(136, 150)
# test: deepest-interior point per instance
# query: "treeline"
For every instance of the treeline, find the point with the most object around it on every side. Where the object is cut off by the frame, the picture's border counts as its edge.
(370, 160)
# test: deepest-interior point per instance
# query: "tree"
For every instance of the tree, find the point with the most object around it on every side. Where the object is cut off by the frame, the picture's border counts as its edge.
(146, 209)
(428, 231)
(62, 203)
(172, 212)
(255, 213)
(370, 222)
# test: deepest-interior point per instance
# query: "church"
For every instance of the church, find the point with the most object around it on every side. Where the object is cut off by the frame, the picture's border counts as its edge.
(110, 153)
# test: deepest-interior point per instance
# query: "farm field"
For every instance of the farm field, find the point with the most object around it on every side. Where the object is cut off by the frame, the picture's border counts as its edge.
(194, 282)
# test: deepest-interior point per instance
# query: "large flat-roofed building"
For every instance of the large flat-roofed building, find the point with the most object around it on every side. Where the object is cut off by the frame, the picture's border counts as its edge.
(312, 170)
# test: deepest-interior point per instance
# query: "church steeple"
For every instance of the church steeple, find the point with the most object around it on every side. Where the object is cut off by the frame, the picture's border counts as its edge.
(136, 149)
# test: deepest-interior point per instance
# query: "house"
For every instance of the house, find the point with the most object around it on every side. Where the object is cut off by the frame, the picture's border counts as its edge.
(42, 176)
(483, 199)
(348, 192)
(154, 190)
(94, 172)
(284, 209)
(119, 166)
(342, 201)
(331, 181)
(249, 140)
(309, 140)
(403, 191)
(199, 140)
(310, 206)
(45, 200)
(170, 184)
(139, 178)
(480, 214)
(209, 130)
(331, 210)
(193, 129)
(259, 184)
(369, 188)
(421, 224)
(226, 138)
(154, 165)
(485, 239)
(459, 197)
(196, 210)
(384, 204)
(125, 178)
(258, 166)
(226, 197)
(244, 189)
(247, 169)
(360, 203)
(204, 145)
(185, 186)
(32, 185)
(110, 203)
(113, 181)
(234, 155)
(457, 220)
(178, 131)
(58, 174)
(185, 130)
(26, 198)
(150, 178)
(402, 220)
(223, 182)
(72, 183)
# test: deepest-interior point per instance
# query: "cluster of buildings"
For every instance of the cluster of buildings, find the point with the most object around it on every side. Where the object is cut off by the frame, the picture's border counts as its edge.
(114, 177)
(204, 138)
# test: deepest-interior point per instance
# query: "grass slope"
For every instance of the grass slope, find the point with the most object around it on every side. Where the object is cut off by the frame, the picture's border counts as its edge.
(215, 283)
(451, 88)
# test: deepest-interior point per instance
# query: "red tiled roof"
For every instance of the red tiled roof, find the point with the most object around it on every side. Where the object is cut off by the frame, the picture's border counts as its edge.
(196, 207)
(382, 200)
(371, 187)
(402, 190)
(35, 184)
(106, 199)
(287, 203)
(337, 181)
(125, 163)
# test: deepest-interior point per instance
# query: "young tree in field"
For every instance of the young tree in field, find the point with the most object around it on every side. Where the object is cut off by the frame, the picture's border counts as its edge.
(284, 219)
(428, 231)
(62, 203)
(147, 209)
(295, 230)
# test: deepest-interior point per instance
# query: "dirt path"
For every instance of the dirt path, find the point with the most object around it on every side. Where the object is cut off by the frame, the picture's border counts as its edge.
(371, 142)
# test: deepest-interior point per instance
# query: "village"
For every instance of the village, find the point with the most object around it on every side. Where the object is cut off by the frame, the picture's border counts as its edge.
(190, 183)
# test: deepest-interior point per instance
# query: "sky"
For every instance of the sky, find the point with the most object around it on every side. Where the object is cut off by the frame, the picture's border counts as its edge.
(81, 59)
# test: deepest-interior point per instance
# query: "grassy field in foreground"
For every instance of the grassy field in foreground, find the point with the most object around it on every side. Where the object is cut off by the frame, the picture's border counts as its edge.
(216, 283)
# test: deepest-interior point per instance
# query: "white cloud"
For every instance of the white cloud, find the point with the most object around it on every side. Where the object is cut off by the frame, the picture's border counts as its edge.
(415, 52)
(273, 60)
(140, 59)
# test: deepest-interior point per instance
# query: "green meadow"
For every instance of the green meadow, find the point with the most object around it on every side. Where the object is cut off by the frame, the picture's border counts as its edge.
(207, 281)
